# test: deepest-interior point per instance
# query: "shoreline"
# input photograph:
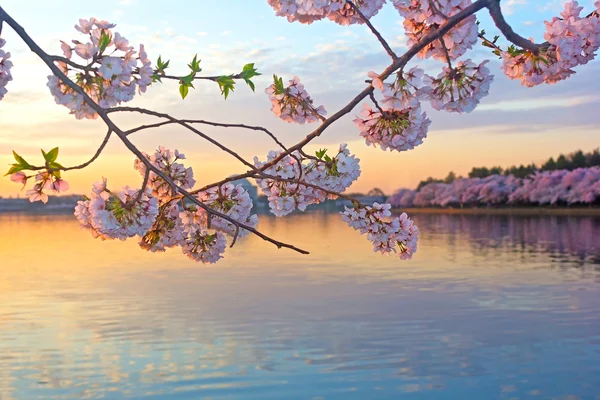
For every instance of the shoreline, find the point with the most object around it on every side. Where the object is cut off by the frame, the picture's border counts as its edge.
(525, 211)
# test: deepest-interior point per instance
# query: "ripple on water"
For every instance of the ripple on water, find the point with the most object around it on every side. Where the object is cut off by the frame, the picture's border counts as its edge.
(491, 307)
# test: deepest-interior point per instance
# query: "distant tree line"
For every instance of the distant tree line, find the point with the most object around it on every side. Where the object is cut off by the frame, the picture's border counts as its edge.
(569, 162)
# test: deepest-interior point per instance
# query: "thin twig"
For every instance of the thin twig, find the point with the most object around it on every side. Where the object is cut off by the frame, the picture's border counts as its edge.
(372, 96)
(80, 166)
(446, 52)
(95, 156)
(143, 188)
(235, 236)
(489, 42)
(208, 78)
(185, 125)
(375, 32)
(211, 123)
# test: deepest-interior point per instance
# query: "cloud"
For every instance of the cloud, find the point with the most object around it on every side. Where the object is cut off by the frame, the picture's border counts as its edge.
(508, 7)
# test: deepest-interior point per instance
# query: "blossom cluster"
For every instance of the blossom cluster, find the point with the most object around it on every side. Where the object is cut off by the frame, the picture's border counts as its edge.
(198, 242)
(119, 215)
(458, 89)
(159, 216)
(293, 103)
(110, 70)
(424, 16)
(233, 201)
(339, 11)
(166, 161)
(572, 40)
(399, 235)
(44, 181)
(399, 123)
(579, 186)
(399, 130)
(299, 183)
(5, 66)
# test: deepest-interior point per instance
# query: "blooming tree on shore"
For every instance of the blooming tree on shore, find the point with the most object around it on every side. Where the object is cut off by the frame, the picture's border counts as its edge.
(579, 186)
(100, 71)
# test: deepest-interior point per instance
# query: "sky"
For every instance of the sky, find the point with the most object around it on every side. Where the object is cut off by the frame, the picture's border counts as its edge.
(512, 125)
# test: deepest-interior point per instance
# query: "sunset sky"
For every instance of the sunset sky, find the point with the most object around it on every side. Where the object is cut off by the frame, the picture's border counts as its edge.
(512, 125)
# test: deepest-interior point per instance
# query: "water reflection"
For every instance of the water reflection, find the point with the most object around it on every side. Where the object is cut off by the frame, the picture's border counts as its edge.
(482, 312)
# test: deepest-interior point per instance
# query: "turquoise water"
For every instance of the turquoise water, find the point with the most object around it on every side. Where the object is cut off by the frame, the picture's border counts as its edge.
(491, 307)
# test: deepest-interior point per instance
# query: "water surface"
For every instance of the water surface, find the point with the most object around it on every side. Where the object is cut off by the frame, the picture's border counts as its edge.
(491, 307)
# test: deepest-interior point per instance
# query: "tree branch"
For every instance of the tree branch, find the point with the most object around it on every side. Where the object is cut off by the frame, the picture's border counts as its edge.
(396, 65)
(111, 125)
(506, 29)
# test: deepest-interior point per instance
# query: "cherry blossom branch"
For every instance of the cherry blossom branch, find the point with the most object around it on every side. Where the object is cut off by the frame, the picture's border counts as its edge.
(488, 43)
(47, 59)
(399, 63)
(375, 32)
(143, 188)
(95, 156)
(374, 100)
(496, 13)
(185, 125)
(80, 166)
(210, 123)
(74, 64)
(446, 53)
(207, 78)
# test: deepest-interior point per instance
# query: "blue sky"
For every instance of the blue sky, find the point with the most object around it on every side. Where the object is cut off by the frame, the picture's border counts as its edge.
(512, 125)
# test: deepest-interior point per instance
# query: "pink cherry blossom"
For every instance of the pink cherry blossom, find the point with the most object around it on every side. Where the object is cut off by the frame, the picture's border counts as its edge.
(424, 16)
(458, 89)
(19, 177)
(5, 66)
(114, 73)
(572, 40)
(335, 174)
(294, 104)
(400, 235)
(167, 161)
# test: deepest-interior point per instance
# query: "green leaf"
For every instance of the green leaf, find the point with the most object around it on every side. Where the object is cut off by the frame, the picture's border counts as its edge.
(250, 84)
(249, 71)
(15, 168)
(278, 83)
(195, 64)
(104, 41)
(226, 84)
(160, 67)
(183, 90)
(320, 153)
(188, 79)
(51, 156)
(55, 165)
(20, 160)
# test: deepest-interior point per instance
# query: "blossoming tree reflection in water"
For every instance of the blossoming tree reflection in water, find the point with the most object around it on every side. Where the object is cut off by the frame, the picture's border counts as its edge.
(109, 71)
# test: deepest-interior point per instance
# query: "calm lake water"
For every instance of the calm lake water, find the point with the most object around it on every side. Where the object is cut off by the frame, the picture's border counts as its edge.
(491, 307)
